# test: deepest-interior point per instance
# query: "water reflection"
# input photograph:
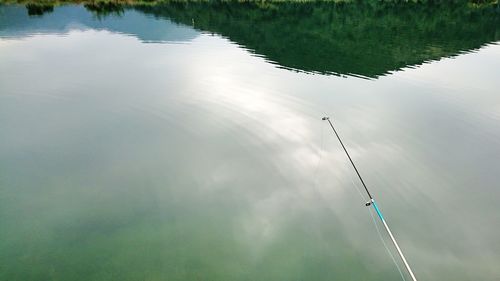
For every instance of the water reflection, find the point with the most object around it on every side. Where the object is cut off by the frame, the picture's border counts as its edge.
(132, 161)
(360, 38)
(16, 22)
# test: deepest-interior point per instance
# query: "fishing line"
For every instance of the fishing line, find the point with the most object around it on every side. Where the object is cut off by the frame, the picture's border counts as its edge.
(320, 157)
(386, 247)
(362, 198)
(378, 230)
(372, 203)
(357, 189)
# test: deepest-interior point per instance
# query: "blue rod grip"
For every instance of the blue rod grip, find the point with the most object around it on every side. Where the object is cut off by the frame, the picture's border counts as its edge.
(378, 211)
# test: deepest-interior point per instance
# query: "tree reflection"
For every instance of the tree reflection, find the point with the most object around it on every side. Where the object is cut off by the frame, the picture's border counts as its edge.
(364, 38)
(39, 9)
(103, 9)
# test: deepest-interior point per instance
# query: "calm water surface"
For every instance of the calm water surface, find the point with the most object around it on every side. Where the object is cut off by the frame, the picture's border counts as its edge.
(185, 142)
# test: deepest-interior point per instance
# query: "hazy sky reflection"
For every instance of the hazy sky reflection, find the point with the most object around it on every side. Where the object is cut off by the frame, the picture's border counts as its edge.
(101, 131)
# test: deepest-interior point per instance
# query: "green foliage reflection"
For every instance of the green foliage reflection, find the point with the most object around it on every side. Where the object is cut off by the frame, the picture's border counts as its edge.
(364, 38)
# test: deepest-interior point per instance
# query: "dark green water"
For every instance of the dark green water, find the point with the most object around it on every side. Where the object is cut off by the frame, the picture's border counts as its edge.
(184, 141)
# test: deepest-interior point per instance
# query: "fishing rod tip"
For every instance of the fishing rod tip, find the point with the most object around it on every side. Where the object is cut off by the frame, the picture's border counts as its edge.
(325, 118)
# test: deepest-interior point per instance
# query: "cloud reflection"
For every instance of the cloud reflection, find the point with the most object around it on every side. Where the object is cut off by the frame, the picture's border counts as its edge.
(211, 156)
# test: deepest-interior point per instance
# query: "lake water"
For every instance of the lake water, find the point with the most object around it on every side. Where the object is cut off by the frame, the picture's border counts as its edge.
(185, 141)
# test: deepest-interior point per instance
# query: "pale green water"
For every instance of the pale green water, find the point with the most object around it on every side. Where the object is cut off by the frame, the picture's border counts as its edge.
(134, 148)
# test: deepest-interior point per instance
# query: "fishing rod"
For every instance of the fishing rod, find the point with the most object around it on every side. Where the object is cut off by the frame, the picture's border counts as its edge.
(372, 202)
